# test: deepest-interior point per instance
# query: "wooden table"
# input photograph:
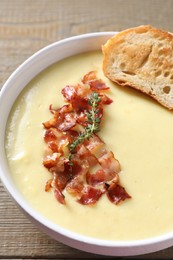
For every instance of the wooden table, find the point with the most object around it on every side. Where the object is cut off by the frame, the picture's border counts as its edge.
(25, 27)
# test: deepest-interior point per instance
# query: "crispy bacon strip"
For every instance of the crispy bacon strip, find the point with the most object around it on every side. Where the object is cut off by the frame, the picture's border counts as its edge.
(59, 196)
(68, 92)
(48, 185)
(116, 193)
(56, 140)
(77, 96)
(76, 186)
(110, 165)
(94, 83)
(97, 178)
(84, 154)
(63, 120)
(92, 170)
(98, 85)
(52, 160)
(90, 76)
(90, 196)
(106, 100)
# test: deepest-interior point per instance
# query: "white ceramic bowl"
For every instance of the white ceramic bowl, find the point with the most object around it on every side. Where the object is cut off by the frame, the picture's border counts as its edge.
(11, 89)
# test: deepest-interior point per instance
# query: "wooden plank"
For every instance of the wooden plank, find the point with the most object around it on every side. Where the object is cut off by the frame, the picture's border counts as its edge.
(19, 237)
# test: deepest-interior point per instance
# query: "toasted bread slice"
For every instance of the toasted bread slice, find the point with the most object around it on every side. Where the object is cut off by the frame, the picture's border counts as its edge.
(142, 58)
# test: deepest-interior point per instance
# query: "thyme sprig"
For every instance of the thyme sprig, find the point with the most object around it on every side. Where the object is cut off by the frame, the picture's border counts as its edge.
(93, 122)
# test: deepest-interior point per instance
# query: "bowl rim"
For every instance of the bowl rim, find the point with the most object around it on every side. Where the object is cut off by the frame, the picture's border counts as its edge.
(15, 194)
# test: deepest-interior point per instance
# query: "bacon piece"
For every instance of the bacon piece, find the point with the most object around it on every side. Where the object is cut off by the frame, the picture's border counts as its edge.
(68, 122)
(77, 96)
(84, 154)
(53, 146)
(52, 110)
(48, 185)
(59, 196)
(79, 166)
(116, 193)
(72, 134)
(64, 119)
(110, 165)
(76, 186)
(95, 145)
(51, 160)
(105, 100)
(60, 179)
(58, 187)
(50, 135)
(79, 103)
(97, 178)
(57, 141)
(90, 196)
(68, 92)
(94, 83)
(89, 77)
(50, 123)
(84, 91)
(64, 123)
(82, 119)
(79, 171)
(98, 85)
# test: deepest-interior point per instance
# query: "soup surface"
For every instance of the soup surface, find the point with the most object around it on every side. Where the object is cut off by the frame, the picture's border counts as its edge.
(137, 129)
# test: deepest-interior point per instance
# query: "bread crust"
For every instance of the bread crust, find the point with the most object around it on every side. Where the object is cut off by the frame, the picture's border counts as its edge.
(142, 58)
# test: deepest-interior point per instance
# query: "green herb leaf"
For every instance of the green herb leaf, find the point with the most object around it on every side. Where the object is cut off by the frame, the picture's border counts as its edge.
(92, 127)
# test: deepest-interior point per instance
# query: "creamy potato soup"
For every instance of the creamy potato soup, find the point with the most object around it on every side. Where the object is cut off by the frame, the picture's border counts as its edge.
(137, 129)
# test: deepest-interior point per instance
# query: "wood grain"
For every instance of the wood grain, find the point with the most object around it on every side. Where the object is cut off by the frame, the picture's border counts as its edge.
(25, 27)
